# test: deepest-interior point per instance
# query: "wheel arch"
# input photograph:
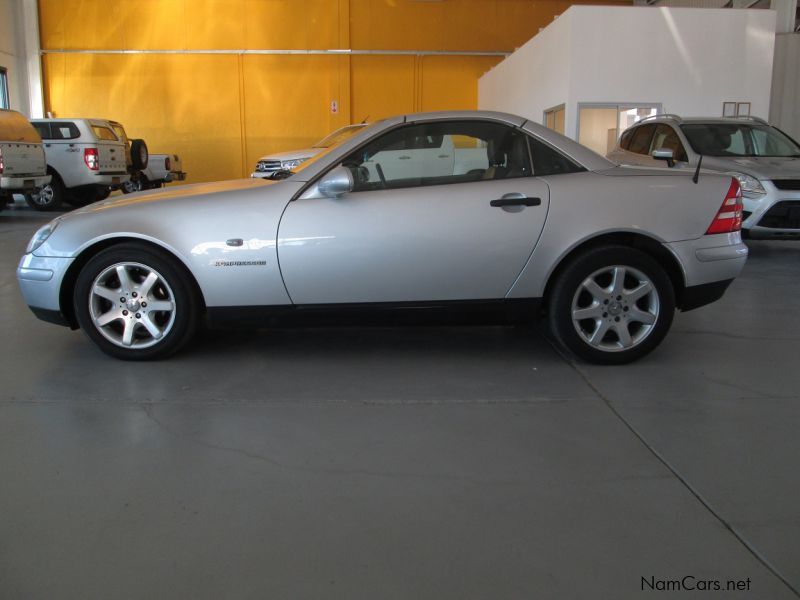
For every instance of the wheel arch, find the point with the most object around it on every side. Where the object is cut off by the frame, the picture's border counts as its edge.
(640, 241)
(93, 249)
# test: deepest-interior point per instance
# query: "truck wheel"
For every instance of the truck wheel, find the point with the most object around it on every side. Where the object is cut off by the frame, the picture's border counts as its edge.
(49, 196)
(134, 184)
(139, 154)
(611, 305)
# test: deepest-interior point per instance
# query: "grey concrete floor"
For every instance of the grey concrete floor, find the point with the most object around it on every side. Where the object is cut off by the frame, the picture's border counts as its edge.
(403, 463)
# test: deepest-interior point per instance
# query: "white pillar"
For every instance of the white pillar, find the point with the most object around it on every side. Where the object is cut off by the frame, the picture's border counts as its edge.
(31, 57)
(787, 15)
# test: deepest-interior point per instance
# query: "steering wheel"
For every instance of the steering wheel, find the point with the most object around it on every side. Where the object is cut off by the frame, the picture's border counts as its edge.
(380, 174)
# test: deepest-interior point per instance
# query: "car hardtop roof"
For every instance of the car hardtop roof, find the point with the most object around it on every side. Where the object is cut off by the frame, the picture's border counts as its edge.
(664, 117)
(71, 120)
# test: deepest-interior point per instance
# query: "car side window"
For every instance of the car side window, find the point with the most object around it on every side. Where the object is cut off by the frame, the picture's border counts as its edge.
(625, 140)
(665, 138)
(440, 153)
(104, 133)
(549, 161)
(43, 129)
(640, 140)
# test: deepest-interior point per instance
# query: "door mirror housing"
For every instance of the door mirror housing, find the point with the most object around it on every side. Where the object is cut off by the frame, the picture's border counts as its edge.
(336, 182)
(666, 155)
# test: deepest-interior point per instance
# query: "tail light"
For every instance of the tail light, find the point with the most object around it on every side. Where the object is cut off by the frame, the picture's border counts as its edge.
(91, 158)
(729, 216)
(167, 164)
(2, 164)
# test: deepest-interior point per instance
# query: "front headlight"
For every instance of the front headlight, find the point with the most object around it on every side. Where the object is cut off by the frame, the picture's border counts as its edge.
(291, 164)
(40, 237)
(751, 187)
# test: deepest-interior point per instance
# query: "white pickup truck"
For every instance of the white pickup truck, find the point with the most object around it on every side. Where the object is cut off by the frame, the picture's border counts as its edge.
(85, 158)
(161, 169)
(23, 169)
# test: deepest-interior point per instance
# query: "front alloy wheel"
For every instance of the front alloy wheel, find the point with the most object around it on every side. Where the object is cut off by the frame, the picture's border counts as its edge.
(132, 305)
(135, 303)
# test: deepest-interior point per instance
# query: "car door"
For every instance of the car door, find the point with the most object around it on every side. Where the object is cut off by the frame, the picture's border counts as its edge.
(417, 237)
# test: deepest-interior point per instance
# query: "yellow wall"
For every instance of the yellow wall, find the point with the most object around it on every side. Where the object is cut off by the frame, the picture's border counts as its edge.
(220, 112)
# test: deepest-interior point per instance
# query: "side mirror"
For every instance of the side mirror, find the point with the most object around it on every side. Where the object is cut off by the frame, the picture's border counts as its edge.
(666, 155)
(336, 182)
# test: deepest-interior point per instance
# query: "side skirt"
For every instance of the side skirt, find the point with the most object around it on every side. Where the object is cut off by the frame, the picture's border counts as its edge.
(402, 314)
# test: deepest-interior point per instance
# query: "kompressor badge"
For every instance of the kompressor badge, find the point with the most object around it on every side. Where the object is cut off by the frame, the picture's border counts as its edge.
(240, 263)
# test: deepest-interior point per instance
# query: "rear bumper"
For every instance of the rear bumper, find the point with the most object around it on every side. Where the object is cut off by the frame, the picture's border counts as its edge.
(709, 265)
(175, 176)
(23, 184)
(700, 295)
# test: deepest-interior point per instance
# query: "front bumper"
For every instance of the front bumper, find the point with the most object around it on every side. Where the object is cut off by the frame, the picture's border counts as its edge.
(23, 184)
(761, 222)
(40, 280)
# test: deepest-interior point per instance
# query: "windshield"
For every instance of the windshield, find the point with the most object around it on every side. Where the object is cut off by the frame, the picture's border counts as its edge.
(338, 136)
(351, 131)
(739, 139)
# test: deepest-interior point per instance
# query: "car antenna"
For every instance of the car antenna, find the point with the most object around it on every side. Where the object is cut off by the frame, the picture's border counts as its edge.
(697, 170)
(364, 122)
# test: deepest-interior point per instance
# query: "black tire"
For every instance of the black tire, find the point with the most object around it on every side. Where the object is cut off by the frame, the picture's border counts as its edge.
(49, 197)
(173, 286)
(134, 184)
(139, 155)
(613, 312)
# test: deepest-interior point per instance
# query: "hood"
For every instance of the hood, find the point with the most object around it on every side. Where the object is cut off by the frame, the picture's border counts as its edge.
(293, 154)
(217, 189)
(760, 167)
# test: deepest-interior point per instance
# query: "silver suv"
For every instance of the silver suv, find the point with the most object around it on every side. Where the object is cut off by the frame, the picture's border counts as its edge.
(765, 160)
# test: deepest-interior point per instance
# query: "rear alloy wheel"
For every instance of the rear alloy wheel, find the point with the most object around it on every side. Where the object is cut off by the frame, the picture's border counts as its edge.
(49, 197)
(612, 305)
(134, 303)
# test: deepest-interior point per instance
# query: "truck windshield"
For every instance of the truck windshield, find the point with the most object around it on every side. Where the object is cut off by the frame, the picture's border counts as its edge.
(338, 136)
(739, 139)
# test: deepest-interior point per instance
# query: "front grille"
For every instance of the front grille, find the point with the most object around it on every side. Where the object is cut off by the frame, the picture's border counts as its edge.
(268, 165)
(783, 215)
(787, 184)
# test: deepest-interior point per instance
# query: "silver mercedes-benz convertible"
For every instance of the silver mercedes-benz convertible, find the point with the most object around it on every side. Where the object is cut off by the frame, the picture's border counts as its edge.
(483, 215)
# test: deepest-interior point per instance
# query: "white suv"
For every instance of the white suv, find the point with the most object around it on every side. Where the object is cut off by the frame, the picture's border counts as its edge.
(85, 158)
(765, 160)
(271, 164)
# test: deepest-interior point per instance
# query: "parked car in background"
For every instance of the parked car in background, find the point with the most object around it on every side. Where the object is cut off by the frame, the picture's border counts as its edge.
(607, 252)
(161, 169)
(268, 165)
(23, 169)
(85, 158)
(765, 161)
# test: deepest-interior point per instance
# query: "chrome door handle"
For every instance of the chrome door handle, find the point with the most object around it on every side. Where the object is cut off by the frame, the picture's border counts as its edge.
(444, 156)
(403, 157)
